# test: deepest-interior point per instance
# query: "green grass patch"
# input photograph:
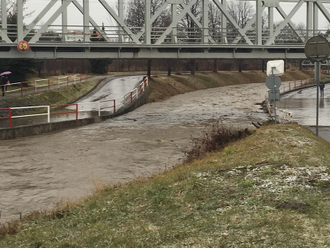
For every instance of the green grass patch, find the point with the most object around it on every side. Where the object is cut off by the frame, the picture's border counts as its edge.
(62, 95)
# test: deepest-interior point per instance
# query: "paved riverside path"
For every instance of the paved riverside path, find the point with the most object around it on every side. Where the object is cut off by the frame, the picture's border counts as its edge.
(302, 104)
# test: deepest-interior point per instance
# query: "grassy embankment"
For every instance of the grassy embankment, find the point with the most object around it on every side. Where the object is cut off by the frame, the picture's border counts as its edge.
(162, 86)
(270, 189)
(62, 95)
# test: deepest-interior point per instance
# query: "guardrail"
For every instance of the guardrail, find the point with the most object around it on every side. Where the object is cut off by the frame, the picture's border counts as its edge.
(111, 106)
(284, 116)
(38, 85)
(7, 117)
(106, 107)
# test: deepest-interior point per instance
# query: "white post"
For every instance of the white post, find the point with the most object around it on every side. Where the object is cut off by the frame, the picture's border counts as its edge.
(317, 79)
(147, 22)
(19, 20)
(121, 16)
(223, 23)
(259, 11)
(86, 21)
(4, 15)
(174, 19)
(205, 31)
(48, 112)
(64, 23)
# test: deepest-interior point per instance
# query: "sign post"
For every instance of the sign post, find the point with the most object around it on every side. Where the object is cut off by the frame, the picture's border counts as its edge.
(275, 68)
(23, 46)
(317, 49)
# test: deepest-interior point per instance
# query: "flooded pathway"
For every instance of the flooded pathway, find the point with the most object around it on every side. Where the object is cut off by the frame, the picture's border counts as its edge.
(302, 105)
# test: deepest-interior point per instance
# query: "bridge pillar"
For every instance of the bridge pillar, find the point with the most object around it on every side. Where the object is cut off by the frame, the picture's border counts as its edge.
(192, 66)
(215, 66)
(263, 65)
(149, 68)
(239, 65)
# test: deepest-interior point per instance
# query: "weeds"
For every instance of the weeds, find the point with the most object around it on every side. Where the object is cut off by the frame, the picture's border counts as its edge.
(214, 139)
(8, 229)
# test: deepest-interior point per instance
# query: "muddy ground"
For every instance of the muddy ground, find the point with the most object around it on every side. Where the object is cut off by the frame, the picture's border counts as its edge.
(38, 172)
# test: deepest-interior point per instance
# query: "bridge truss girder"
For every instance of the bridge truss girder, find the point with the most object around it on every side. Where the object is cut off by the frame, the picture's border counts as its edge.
(148, 38)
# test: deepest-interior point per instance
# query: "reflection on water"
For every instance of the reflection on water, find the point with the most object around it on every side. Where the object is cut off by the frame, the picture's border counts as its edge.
(322, 103)
(304, 110)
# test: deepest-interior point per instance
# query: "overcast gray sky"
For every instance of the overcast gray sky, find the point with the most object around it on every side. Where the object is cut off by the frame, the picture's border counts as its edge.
(99, 14)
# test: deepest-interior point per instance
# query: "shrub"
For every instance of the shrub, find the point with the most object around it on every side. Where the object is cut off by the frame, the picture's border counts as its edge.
(216, 138)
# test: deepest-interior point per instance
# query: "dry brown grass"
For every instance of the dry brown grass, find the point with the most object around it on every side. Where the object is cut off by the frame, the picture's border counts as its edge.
(163, 87)
(214, 138)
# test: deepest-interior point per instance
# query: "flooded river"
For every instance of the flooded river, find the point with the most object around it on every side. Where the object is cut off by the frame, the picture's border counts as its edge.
(38, 172)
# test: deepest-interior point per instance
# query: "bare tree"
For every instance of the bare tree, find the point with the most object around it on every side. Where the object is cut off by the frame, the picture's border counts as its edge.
(214, 22)
(135, 16)
(188, 29)
(135, 13)
(241, 11)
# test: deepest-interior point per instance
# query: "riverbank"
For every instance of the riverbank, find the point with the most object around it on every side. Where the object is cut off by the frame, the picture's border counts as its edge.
(159, 211)
(162, 86)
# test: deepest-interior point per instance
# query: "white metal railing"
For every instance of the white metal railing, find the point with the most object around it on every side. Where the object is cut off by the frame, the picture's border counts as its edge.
(47, 113)
(107, 106)
(113, 105)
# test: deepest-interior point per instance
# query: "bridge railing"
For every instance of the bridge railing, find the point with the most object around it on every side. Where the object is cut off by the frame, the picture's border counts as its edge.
(177, 35)
(78, 110)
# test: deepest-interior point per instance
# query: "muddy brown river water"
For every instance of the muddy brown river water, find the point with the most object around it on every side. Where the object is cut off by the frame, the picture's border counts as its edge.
(38, 172)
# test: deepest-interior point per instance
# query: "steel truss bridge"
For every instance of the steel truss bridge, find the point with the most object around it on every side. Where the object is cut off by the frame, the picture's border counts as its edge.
(262, 37)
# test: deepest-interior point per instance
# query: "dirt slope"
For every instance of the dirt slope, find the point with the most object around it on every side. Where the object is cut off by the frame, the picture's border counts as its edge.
(163, 86)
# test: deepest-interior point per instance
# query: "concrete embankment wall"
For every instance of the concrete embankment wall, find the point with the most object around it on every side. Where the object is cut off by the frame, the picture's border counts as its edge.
(23, 131)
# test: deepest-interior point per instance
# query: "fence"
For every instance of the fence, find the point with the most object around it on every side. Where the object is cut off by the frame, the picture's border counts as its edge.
(28, 87)
(103, 107)
(111, 106)
(284, 116)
